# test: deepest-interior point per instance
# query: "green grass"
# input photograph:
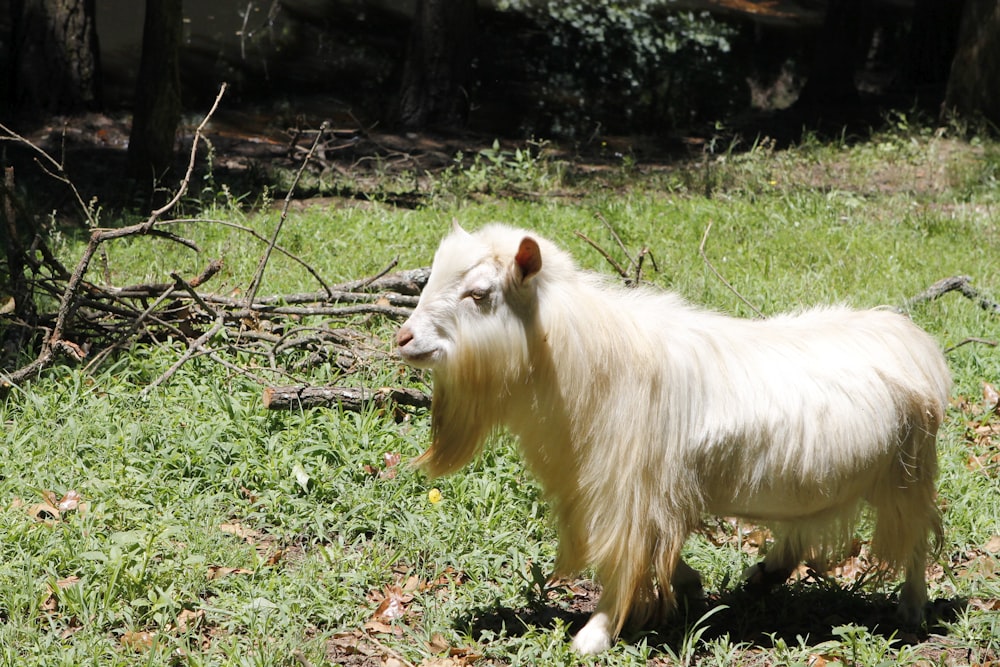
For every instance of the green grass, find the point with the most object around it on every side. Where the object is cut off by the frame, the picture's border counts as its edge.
(198, 477)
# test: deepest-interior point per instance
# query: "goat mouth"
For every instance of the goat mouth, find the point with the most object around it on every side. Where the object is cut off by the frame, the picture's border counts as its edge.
(418, 358)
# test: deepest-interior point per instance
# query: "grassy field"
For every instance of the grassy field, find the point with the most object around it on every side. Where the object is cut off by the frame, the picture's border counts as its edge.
(193, 527)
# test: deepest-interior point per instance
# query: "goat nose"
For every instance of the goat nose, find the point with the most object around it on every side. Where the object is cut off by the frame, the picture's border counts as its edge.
(404, 336)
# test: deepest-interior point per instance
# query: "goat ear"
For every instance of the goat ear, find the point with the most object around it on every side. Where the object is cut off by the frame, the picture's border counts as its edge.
(457, 228)
(528, 258)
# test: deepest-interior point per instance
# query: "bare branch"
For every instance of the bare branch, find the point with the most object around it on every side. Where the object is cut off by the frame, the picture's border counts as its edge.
(604, 253)
(197, 346)
(68, 301)
(259, 275)
(701, 251)
(182, 189)
(57, 171)
(617, 238)
(194, 295)
(967, 341)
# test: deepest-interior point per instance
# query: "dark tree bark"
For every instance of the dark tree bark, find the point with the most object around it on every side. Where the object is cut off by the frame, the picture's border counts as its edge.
(931, 50)
(16, 296)
(974, 81)
(438, 62)
(55, 56)
(837, 55)
(157, 109)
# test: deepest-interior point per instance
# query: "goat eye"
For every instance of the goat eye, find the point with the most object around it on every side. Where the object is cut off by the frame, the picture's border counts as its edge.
(477, 294)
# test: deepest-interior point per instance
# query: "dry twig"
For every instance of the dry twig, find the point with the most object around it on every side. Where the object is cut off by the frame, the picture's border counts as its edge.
(708, 263)
(259, 275)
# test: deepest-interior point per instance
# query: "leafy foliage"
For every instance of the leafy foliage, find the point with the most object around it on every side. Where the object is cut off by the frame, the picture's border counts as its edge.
(628, 65)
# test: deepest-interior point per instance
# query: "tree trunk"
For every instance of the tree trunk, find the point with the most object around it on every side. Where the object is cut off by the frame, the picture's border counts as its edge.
(974, 82)
(837, 55)
(931, 47)
(56, 63)
(157, 109)
(438, 60)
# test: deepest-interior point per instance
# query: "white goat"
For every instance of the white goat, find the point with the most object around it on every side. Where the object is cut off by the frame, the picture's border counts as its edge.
(639, 413)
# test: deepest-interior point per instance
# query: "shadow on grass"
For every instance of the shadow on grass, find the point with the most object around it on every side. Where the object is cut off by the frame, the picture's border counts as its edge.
(811, 611)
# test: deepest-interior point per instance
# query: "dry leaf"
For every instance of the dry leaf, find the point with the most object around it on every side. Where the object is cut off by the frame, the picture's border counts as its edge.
(443, 662)
(274, 558)
(389, 470)
(850, 569)
(393, 605)
(44, 512)
(241, 531)
(218, 572)
(69, 502)
(438, 644)
(991, 397)
(449, 576)
(383, 628)
(757, 537)
(412, 584)
(188, 618)
(817, 660)
(51, 602)
(350, 643)
(138, 641)
(992, 545)
(982, 462)
(389, 462)
(992, 604)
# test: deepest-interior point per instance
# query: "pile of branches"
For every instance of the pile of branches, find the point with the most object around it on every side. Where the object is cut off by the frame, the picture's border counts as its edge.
(92, 319)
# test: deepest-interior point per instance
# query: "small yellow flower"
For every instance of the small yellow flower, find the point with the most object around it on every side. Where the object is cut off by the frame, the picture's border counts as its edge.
(434, 495)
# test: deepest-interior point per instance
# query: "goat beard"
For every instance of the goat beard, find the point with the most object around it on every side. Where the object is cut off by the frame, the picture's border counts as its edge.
(466, 409)
(473, 394)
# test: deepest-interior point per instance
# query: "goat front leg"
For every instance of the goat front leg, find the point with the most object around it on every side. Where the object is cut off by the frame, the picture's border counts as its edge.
(627, 581)
(595, 637)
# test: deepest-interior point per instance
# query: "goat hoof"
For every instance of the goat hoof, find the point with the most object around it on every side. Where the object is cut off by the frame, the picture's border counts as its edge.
(594, 637)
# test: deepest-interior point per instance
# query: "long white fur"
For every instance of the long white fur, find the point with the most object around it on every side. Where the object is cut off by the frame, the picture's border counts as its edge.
(639, 413)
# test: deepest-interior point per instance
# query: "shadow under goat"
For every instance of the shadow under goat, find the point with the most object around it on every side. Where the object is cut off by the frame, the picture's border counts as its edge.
(639, 413)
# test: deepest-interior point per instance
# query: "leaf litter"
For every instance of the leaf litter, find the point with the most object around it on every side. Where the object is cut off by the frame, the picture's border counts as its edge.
(394, 616)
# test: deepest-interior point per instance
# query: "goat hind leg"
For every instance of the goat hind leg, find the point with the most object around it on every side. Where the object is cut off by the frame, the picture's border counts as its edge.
(686, 582)
(779, 563)
(913, 595)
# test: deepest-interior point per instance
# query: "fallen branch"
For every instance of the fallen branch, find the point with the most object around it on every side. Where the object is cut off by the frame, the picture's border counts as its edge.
(196, 347)
(69, 301)
(93, 318)
(349, 398)
(969, 341)
(960, 284)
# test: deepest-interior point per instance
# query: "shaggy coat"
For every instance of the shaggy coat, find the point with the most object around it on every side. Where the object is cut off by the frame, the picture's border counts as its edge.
(639, 413)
